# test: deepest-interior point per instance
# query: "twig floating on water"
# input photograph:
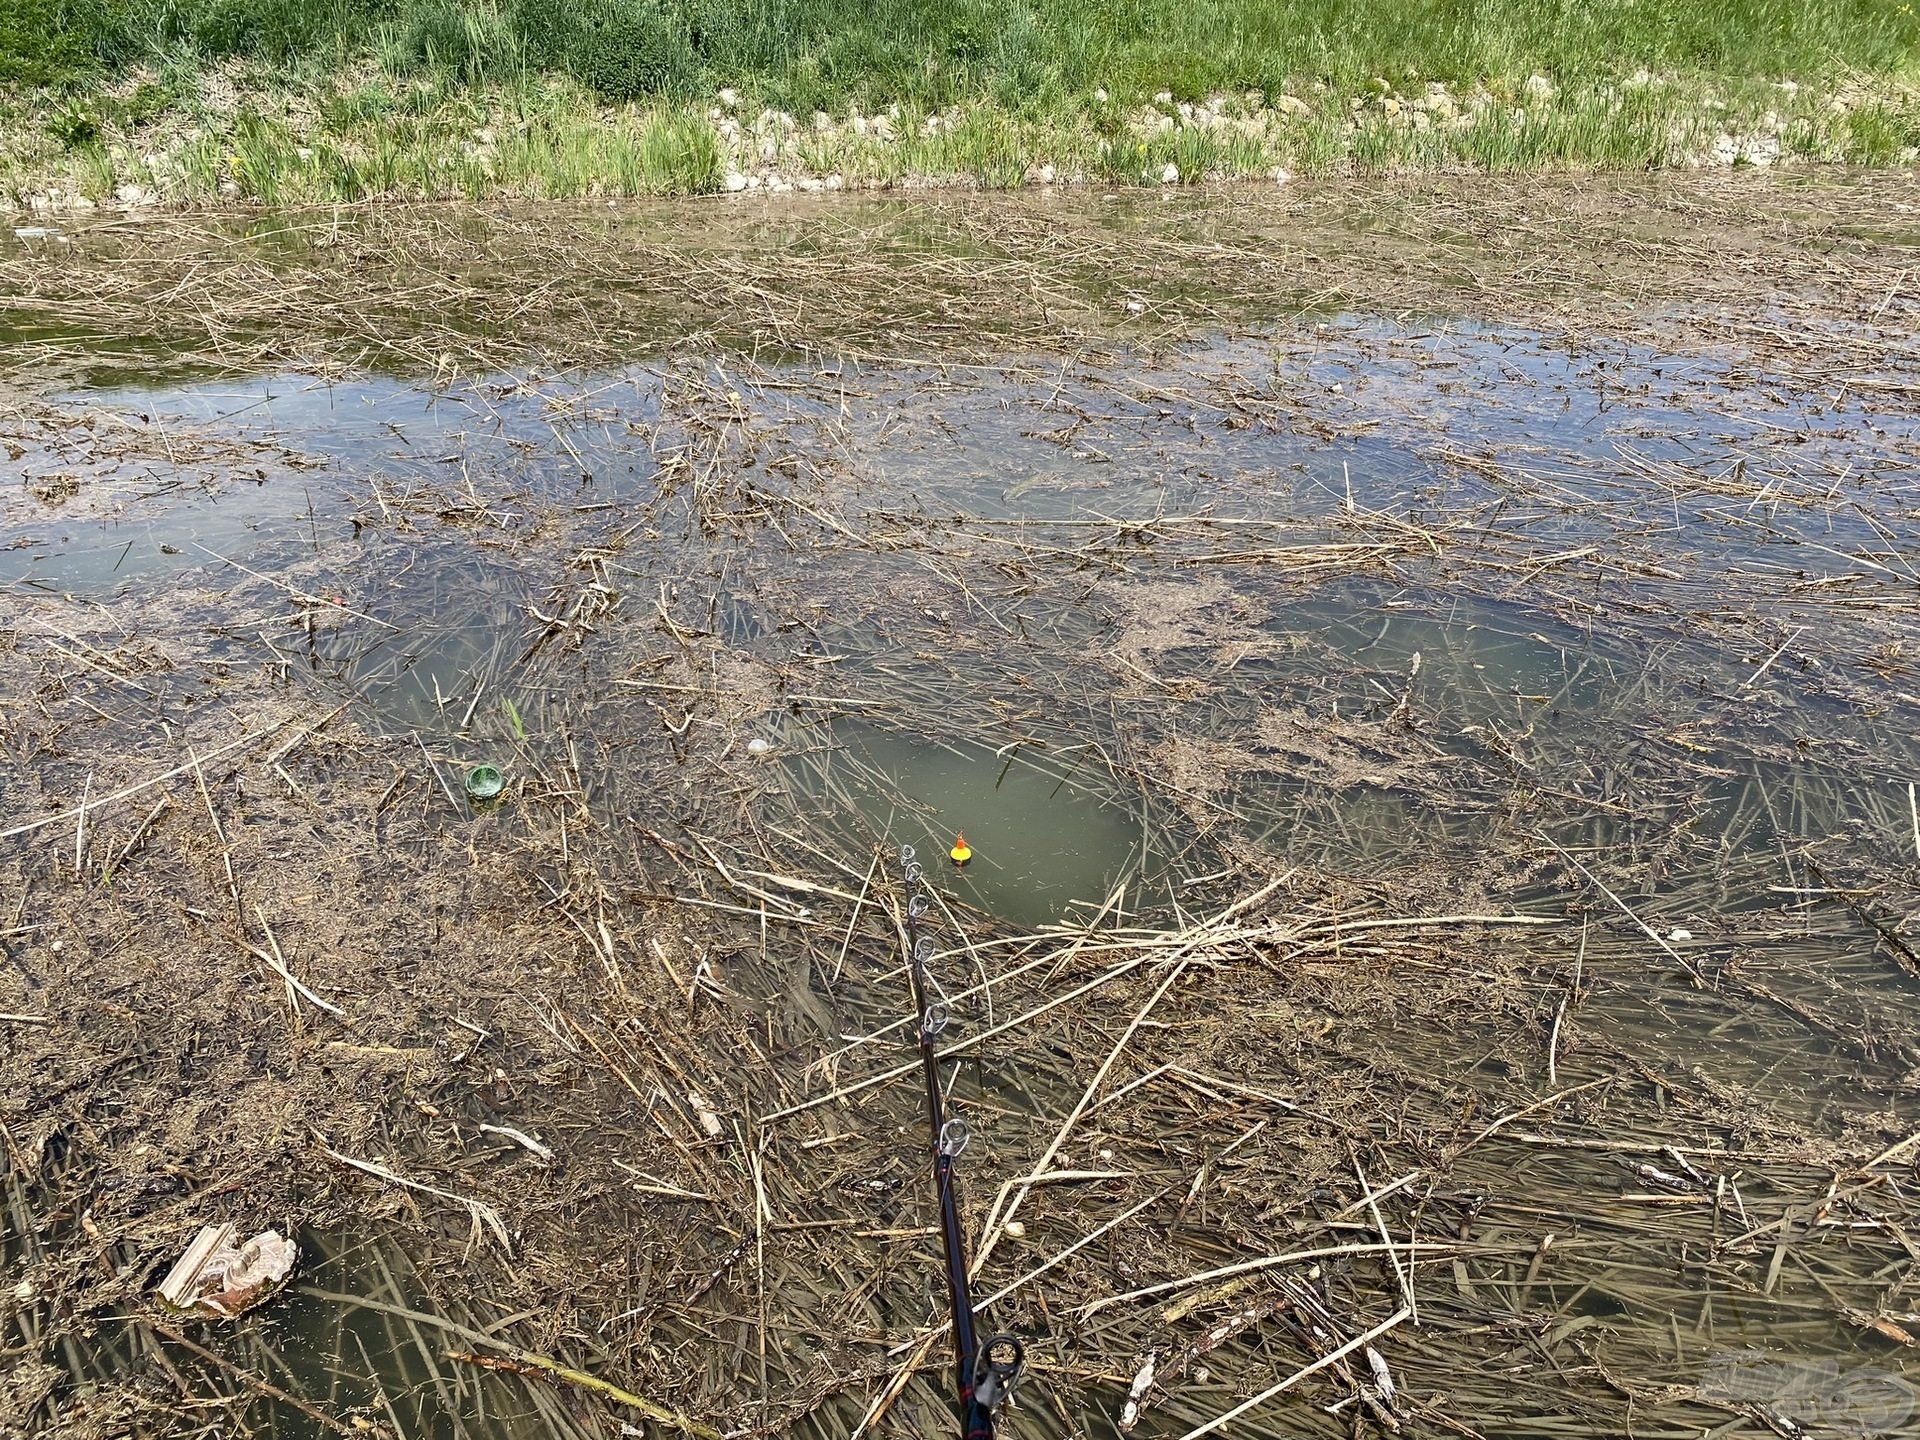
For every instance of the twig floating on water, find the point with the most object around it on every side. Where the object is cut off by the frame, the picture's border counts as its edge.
(122, 794)
(519, 1362)
(1627, 910)
(1330, 1358)
(478, 1210)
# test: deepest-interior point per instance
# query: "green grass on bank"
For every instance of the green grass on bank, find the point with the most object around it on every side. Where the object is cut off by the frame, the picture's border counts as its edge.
(287, 100)
(805, 55)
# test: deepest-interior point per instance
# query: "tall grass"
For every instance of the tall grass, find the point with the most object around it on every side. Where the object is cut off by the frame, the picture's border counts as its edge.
(827, 54)
(555, 152)
(282, 101)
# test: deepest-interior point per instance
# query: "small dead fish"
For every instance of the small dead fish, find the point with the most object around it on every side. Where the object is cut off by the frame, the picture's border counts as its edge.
(523, 1140)
(1130, 1412)
(1881, 1326)
(709, 1118)
(1686, 1167)
(1654, 1175)
(1382, 1376)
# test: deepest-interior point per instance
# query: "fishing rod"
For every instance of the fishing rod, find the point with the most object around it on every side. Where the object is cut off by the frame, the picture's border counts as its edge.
(987, 1372)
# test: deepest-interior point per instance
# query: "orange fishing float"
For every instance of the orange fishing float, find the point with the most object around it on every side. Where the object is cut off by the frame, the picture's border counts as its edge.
(961, 852)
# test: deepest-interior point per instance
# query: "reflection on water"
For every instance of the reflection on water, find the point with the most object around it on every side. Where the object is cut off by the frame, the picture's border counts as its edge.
(1050, 834)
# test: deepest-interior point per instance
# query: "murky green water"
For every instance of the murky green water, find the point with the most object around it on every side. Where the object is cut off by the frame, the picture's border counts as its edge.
(1379, 597)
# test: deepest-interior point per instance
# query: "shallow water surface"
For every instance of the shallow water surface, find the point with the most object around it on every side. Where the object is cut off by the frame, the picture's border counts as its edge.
(1566, 628)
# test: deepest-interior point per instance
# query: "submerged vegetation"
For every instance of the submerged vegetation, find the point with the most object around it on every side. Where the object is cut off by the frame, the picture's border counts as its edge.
(1454, 641)
(193, 101)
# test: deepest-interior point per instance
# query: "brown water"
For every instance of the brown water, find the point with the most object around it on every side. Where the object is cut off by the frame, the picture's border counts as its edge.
(1379, 595)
